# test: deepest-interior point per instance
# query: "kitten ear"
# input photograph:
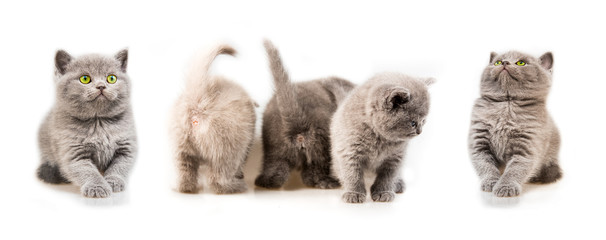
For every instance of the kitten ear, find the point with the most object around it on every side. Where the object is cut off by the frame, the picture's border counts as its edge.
(395, 97)
(492, 56)
(547, 61)
(122, 57)
(62, 58)
(428, 81)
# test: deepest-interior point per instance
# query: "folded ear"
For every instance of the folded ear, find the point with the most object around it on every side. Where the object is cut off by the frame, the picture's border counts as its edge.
(62, 58)
(428, 81)
(547, 61)
(122, 57)
(396, 97)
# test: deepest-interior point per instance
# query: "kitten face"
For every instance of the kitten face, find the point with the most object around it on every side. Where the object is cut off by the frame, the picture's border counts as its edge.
(93, 85)
(399, 111)
(517, 75)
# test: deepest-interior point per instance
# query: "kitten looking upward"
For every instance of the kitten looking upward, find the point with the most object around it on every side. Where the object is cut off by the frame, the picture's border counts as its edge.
(88, 137)
(512, 139)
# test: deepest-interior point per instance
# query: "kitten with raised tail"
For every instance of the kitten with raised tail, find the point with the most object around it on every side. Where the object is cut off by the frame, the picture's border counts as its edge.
(88, 138)
(370, 132)
(512, 139)
(296, 127)
(213, 126)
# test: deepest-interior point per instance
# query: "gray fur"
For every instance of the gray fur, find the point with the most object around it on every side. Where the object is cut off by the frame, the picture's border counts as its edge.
(88, 138)
(512, 139)
(213, 126)
(296, 127)
(370, 132)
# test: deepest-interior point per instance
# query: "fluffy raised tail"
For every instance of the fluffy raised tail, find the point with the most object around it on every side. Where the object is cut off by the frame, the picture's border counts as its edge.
(198, 75)
(286, 94)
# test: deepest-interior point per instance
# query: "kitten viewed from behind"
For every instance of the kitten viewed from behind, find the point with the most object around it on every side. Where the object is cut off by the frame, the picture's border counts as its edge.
(371, 130)
(512, 139)
(88, 138)
(213, 126)
(296, 127)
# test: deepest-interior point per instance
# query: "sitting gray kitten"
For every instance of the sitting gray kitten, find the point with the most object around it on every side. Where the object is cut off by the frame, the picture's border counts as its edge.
(296, 127)
(88, 137)
(370, 132)
(213, 126)
(512, 139)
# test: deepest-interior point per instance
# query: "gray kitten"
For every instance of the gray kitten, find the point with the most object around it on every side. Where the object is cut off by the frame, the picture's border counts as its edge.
(370, 132)
(88, 137)
(213, 126)
(296, 127)
(512, 139)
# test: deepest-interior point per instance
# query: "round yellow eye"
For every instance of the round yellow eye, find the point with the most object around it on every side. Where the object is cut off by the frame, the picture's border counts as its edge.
(112, 78)
(521, 63)
(85, 79)
(497, 63)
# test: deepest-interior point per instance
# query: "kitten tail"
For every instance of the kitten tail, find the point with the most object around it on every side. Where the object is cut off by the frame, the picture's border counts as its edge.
(286, 96)
(199, 75)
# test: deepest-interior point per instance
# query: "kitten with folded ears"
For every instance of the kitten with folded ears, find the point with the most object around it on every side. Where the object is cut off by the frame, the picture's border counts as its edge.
(370, 132)
(213, 126)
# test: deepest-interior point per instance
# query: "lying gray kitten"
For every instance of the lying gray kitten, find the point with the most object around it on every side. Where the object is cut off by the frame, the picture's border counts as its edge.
(213, 126)
(296, 127)
(88, 137)
(370, 132)
(512, 139)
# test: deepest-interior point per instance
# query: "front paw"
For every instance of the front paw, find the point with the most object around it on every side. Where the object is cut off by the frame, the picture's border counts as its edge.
(96, 190)
(488, 184)
(507, 189)
(354, 197)
(400, 186)
(383, 196)
(117, 183)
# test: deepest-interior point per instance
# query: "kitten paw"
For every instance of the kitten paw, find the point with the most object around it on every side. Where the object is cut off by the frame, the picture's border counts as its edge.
(117, 183)
(507, 190)
(236, 187)
(188, 188)
(488, 184)
(96, 190)
(354, 197)
(269, 181)
(400, 186)
(324, 183)
(383, 196)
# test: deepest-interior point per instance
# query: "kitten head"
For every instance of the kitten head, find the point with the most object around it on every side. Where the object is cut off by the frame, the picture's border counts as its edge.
(92, 85)
(398, 108)
(515, 75)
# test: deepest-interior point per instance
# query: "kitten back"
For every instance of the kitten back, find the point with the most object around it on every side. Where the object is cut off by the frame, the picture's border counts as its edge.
(285, 92)
(198, 75)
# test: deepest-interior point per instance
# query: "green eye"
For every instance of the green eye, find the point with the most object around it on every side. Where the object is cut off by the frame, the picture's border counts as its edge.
(112, 78)
(521, 63)
(85, 79)
(497, 63)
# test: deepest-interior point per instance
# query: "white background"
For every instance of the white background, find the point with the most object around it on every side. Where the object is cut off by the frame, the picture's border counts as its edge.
(449, 40)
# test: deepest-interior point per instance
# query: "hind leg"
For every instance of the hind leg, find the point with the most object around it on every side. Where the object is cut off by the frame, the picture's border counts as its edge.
(50, 173)
(549, 173)
(227, 177)
(276, 171)
(188, 167)
(318, 175)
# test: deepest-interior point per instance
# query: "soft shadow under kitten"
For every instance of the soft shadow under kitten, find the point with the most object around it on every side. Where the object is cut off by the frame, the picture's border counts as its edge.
(213, 126)
(511, 129)
(88, 137)
(296, 127)
(371, 130)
